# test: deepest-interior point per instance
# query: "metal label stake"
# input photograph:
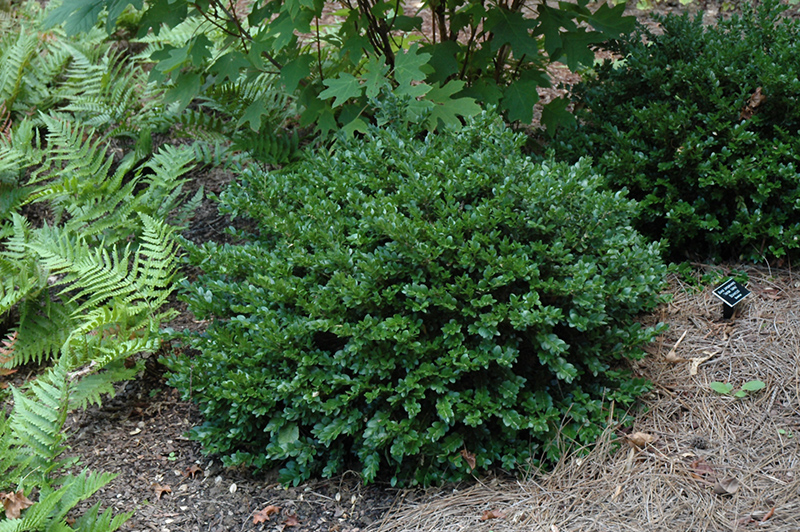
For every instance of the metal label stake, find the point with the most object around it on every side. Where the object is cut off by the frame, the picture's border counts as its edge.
(731, 293)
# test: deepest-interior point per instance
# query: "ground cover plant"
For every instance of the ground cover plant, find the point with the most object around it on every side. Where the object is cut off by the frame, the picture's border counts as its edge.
(87, 258)
(701, 125)
(416, 307)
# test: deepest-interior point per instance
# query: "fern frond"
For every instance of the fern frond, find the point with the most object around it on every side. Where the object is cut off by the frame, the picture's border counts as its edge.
(16, 53)
(77, 162)
(38, 421)
(98, 276)
(176, 36)
(18, 152)
(20, 275)
(93, 521)
(43, 329)
(91, 388)
(78, 488)
(275, 149)
(109, 93)
(216, 154)
(202, 125)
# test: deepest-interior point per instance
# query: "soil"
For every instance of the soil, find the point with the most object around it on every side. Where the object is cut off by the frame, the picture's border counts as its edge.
(172, 487)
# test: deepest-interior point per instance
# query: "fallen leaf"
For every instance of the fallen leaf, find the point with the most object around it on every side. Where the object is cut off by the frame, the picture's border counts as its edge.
(701, 469)
(746, 520)
(726, 486)
(771, 293)
(469, 457)
(640, 439)
(14, 503)
(672, 355)
(291, 521)
(756, 99)
(492, 514)
(697, 361)
(161, 490)
(191, 471)
(265, 513)
(7, 349)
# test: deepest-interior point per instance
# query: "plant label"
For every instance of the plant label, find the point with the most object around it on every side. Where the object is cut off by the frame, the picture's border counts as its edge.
(731, 293)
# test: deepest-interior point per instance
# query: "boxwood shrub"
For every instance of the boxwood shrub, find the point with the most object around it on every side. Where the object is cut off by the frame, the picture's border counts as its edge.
(414, 306)
(702, 125)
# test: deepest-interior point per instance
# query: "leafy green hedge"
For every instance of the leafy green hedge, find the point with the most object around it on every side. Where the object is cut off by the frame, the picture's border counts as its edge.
(702, 125)
(407, 302)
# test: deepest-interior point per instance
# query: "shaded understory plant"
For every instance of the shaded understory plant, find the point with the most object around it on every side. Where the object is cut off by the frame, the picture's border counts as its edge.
(701, 125)
(415, 306)
(87, 257)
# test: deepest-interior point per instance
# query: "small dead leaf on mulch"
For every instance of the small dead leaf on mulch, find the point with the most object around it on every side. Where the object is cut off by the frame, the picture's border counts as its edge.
(672, 356)
(291, 521)
(14, 503)
(492, 514)
(161, 490)
(639, 440)
(702, 470)
(726, 486)
(264, 514)
(191, 471)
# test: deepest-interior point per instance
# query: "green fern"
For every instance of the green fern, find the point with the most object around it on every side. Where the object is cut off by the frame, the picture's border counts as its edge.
(32, 442)
(86, 290)
(38, 421)
(277, 149)
(16, 53)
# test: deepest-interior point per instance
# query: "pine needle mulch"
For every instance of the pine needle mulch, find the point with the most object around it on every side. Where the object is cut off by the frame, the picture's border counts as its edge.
(747, 449)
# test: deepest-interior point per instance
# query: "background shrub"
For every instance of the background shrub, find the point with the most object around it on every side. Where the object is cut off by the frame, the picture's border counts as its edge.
(407, 302)
(679, 123)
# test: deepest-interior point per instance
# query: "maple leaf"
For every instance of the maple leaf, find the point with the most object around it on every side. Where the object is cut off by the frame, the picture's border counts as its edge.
(611, 22)
(343, 88)
(375, 75)
(265, 513)
(14, 503)
(575, 47)
(191, 471)
(447, 109)
(228, 66)
(555, 115)
(513, 28)
(407, 66)
(296, 70)
(519, 98)
(552, 20)
(291, 521)
(161, 490)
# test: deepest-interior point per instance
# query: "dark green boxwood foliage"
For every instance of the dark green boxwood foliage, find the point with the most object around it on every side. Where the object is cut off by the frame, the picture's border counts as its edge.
(667, 123)
(405, 299)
